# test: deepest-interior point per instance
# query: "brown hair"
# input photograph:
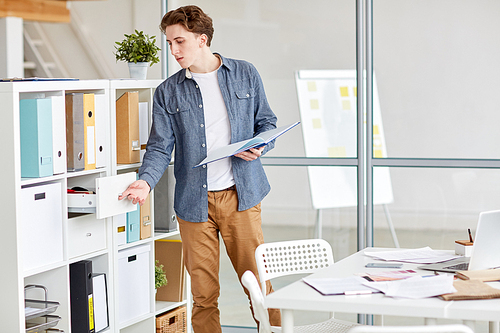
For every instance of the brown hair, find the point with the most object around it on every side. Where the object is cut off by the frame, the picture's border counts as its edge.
(192, 18)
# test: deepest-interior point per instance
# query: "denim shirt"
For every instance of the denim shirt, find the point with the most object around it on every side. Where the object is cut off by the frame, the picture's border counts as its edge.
(178, 120)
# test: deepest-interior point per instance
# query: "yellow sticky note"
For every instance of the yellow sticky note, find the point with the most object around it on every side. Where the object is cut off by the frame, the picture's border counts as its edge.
(346, 105)
(314, 104)
(311, 86)
(377, 153)
(355, 89)
(316, 123)
(376, 130)
(338, 151)
(344, 92)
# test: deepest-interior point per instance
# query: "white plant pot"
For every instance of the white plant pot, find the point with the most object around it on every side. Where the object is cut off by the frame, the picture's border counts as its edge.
(138, 70)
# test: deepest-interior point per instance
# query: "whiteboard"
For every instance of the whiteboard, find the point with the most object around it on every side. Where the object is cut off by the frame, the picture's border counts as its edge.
(328, 111)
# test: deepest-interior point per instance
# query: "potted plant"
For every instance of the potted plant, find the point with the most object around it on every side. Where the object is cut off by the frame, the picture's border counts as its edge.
(139, 50)
(160, 276)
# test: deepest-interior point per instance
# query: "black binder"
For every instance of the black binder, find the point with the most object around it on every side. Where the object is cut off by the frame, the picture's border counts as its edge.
(81, 296)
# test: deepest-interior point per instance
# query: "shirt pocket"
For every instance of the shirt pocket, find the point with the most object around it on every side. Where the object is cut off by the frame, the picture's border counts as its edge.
(245, 94)
(179, 115)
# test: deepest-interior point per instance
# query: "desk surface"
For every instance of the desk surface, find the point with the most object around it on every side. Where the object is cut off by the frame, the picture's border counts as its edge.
(299, 296)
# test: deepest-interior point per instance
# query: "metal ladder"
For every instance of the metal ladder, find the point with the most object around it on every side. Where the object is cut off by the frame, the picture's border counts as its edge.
(40, 58)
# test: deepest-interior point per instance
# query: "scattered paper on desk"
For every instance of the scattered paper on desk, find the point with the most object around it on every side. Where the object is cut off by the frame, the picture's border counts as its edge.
(391, 275)
(338, 286)
(424, 255)
(416, 287)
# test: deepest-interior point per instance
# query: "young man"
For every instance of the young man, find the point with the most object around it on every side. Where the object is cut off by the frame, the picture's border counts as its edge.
(211, 102)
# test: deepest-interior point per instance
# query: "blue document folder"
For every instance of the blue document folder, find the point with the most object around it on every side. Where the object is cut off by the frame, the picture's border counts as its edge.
(36, 137)
(134, 225)
(235, 148)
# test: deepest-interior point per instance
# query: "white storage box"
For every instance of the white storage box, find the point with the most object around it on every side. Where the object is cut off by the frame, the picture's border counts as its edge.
(41, 222)
(134, 271)
(86, 234)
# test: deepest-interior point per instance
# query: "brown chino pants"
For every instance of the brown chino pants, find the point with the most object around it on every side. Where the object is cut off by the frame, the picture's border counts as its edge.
(241, 233)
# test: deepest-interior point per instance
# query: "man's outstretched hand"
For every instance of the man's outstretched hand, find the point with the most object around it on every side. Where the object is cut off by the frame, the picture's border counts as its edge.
(137, 192)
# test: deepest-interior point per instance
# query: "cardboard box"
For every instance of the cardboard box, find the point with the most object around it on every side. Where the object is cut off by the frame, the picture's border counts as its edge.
(169, 254)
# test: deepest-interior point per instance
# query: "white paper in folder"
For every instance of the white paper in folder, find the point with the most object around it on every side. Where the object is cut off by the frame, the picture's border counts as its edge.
(101, 318)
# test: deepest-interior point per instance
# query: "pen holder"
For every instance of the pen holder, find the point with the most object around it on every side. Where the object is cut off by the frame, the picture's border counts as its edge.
(463, 247)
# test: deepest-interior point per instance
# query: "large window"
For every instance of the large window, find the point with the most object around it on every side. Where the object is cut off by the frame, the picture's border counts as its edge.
(432, 166)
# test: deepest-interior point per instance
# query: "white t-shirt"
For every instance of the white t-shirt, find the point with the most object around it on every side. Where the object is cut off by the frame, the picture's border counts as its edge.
(217, 129)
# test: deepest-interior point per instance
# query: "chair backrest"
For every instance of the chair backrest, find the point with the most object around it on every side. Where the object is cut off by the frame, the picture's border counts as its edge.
(456, 328)
(292, 257)
(250, 282)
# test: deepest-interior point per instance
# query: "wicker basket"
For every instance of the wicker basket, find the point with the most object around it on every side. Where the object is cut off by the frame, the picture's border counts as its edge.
(173, 321)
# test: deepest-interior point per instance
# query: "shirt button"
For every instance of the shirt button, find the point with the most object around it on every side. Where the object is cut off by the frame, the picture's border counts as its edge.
(203, 145)
(196, 86)
(201, 125)
(200, 106)
(204, 166)
(177, 109)
(204, 186)
(248, 95)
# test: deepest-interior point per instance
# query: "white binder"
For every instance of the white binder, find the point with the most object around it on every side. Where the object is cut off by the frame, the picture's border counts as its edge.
(101, 317)
(143, 126)
(58, 134)
(101, 107)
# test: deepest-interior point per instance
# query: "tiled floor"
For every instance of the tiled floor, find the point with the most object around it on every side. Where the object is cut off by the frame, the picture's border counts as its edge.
(233, 303)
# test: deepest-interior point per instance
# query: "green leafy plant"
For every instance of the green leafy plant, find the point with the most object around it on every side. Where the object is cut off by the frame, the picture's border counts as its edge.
(160, 276)
(137, 47)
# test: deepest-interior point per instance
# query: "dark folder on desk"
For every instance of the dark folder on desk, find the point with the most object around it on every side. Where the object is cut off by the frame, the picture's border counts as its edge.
(82, 297)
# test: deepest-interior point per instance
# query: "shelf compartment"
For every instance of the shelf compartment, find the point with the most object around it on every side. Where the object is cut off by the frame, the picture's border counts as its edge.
(36, 308)
(41, 324)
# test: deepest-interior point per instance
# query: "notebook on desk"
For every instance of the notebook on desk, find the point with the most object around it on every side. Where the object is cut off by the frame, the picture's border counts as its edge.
(486, 250)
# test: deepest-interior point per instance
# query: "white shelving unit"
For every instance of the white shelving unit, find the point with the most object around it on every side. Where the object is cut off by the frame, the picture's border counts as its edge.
(102, 247)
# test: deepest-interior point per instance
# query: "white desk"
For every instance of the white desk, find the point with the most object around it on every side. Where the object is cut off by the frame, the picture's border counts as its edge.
(299, 296)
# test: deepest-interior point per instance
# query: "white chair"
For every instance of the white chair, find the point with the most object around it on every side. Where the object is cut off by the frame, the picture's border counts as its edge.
(291, 257)
(458, 328)
(250, 282)
(296, 257)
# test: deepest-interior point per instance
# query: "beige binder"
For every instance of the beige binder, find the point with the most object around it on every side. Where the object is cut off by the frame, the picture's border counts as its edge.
(89, 130)
(128, 148)
(146, 219)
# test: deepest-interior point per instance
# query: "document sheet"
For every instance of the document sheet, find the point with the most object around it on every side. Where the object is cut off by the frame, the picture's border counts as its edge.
(424, 255)
(416, 287)
(337, 286)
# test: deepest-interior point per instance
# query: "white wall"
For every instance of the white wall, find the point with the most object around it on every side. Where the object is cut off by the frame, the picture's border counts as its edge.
(437, 70)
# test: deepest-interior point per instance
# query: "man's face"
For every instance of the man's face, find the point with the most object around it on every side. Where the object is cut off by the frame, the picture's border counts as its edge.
(185, 46)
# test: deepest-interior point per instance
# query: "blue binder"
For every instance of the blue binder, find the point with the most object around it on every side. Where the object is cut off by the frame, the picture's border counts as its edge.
(36, 137)
(134, 225)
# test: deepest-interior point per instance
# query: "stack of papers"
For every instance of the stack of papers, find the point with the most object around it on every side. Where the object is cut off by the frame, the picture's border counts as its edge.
(424, 255)
(353, 285)
(390, 275)
(412, 287)
(416, 287)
